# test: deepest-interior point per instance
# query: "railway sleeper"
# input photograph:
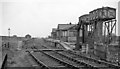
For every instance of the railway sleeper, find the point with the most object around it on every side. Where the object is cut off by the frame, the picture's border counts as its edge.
(98, 61)
(61, 61)
(42, 65)
(70, 58)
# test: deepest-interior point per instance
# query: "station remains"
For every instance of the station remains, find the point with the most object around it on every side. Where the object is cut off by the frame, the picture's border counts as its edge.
(14, 42)
(95, 31)
(99, 33)
(65, 32)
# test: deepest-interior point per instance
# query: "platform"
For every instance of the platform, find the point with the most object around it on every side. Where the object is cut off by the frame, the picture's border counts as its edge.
(0, 51)
(1, 59)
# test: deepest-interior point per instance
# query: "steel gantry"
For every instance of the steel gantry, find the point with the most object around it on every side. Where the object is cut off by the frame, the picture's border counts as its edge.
(97, 26)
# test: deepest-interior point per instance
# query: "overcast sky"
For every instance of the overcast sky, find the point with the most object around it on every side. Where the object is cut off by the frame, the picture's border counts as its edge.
(38, 17)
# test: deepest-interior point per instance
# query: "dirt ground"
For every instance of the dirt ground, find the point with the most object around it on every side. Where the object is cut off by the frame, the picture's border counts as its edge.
(21, 58)
(18, 58)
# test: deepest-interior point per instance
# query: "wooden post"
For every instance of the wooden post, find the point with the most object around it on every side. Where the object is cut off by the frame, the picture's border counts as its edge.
(77, 47)
(119, 52)
(55, 44)
(118, 31)
(83, 35)
(78, 40)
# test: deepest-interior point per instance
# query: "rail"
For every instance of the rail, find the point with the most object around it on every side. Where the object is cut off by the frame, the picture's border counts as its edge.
(98, 61)
(87, 65)
(42, 65)
(4, 63)
(61, 61)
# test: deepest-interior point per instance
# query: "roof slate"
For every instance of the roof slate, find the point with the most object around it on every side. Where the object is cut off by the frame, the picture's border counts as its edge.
(65, 26)
(54, 30)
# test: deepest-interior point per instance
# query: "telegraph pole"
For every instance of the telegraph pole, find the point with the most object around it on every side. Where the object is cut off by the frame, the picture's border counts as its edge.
(9, 32)
(119, 33)
(9, 37)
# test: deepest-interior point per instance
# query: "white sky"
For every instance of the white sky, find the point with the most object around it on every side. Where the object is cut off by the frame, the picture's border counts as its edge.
(38, 17)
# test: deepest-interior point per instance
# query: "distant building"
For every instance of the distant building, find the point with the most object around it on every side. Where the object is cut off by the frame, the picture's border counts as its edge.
(15, 36)
(66, 32)
(28, 36)
(72, 33)
(7, 38)
(54, 33)
(49, 36)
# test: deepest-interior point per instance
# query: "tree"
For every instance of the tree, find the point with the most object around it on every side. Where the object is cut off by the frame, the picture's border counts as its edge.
(28, 36)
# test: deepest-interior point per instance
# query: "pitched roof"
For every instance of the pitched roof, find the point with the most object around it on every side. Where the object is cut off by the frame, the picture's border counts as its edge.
(54, 29)
(72, 27)
(64, 26)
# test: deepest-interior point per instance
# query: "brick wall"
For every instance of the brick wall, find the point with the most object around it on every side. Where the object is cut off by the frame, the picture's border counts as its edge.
(112, 54)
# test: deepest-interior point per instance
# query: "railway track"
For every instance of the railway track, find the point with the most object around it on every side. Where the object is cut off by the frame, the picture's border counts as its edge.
(80, 62)
(67, 59)
(47, 61)
(74, 61)
(78, 59)
(39, 47)
(4, 63)
(109, 65)
(86, 61)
